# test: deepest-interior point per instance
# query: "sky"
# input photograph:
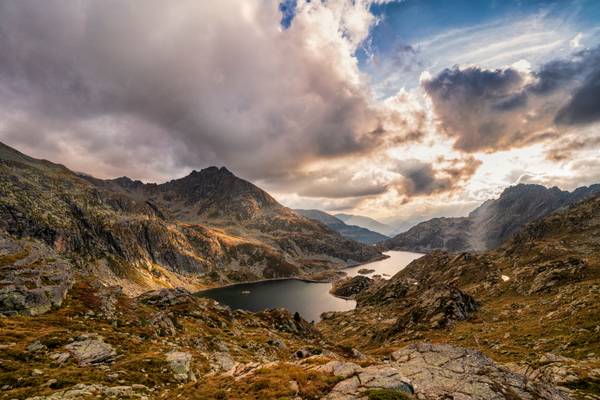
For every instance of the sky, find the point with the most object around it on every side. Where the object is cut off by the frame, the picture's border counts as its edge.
(397, 110)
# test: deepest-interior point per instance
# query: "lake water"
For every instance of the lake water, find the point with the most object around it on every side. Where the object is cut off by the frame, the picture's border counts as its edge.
(310, 299)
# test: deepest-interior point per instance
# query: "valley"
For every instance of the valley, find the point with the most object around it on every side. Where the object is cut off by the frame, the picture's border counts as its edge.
(299, 200)
(97, 299)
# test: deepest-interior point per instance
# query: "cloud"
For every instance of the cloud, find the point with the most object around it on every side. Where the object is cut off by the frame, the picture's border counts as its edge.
(421, 178)
(112, 88)
(492, 110)
(580, 142)
(333, 182)
(584, 105)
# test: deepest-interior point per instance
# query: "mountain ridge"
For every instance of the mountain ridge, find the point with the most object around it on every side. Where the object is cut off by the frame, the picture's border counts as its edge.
(367, 223)
(490, 224)
(208, 228)
(353, 232)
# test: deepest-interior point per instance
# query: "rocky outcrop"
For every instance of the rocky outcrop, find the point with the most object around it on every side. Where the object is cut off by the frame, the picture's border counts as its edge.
(427, 371)
(436, 307)
(82, 390)
(370, 380)
(33, 278)
(561, 371)
(492, 223)
(438, 371)
(91, 349)
(350, 287)
(179, 362)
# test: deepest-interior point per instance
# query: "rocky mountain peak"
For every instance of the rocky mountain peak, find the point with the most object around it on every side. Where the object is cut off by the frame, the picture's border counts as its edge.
(216, 192)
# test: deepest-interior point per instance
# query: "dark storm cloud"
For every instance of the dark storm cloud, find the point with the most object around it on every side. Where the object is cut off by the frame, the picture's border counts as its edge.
(151, 90)
(464, 100)
(584, 106)
(492, 110)
(420, 179)
(445, 175)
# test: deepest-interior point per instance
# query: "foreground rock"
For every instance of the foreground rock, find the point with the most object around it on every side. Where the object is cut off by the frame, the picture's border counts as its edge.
(372, 378)
(81, 390)
(436, 372)
(439, 371)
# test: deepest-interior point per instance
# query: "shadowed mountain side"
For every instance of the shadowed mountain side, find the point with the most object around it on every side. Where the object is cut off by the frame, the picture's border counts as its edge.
(352, 232)
(206, 229)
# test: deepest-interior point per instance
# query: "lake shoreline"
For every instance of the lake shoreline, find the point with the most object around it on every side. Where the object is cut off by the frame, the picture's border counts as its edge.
(297, 277)
(304, 294)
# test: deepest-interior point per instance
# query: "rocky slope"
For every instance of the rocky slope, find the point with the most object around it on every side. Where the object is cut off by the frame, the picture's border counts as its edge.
(171, 344)
(492, 223)
(208, 228)
(352, 232)
(532, 304)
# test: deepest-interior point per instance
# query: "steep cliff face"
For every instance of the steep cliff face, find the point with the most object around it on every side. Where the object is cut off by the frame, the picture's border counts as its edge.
(492, 223)
(207, 228)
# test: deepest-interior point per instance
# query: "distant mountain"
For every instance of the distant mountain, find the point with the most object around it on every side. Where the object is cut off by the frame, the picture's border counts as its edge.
(492, 223)
(366, 222)
(208, 228)
(353, 232)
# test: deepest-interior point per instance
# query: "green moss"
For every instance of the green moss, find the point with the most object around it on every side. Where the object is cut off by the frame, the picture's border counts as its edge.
(388, 394)
(589, 385)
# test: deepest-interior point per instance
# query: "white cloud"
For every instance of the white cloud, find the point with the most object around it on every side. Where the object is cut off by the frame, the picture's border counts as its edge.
(576, 41)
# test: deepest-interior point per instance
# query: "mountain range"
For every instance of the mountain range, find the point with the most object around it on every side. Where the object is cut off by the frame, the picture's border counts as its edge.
(208, 228)
(492, 223)
(368, 223)
(354, 232)
(531, 302)
(80, 257)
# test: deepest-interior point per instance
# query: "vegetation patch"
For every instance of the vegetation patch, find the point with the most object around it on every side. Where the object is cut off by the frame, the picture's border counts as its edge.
(388, 394)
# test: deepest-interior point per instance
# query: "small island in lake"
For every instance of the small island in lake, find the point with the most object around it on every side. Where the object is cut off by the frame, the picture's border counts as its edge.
(365, 271)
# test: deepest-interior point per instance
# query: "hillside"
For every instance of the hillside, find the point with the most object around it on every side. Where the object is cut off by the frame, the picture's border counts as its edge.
(352, 232)
(74, 249)
(492, 223)
(208, 228)
(532, 303)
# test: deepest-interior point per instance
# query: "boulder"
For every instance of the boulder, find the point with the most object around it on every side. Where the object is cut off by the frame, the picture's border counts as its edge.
(91, 350)
(439, 371)
(339, 368)
(222, 362)
(180, 363)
